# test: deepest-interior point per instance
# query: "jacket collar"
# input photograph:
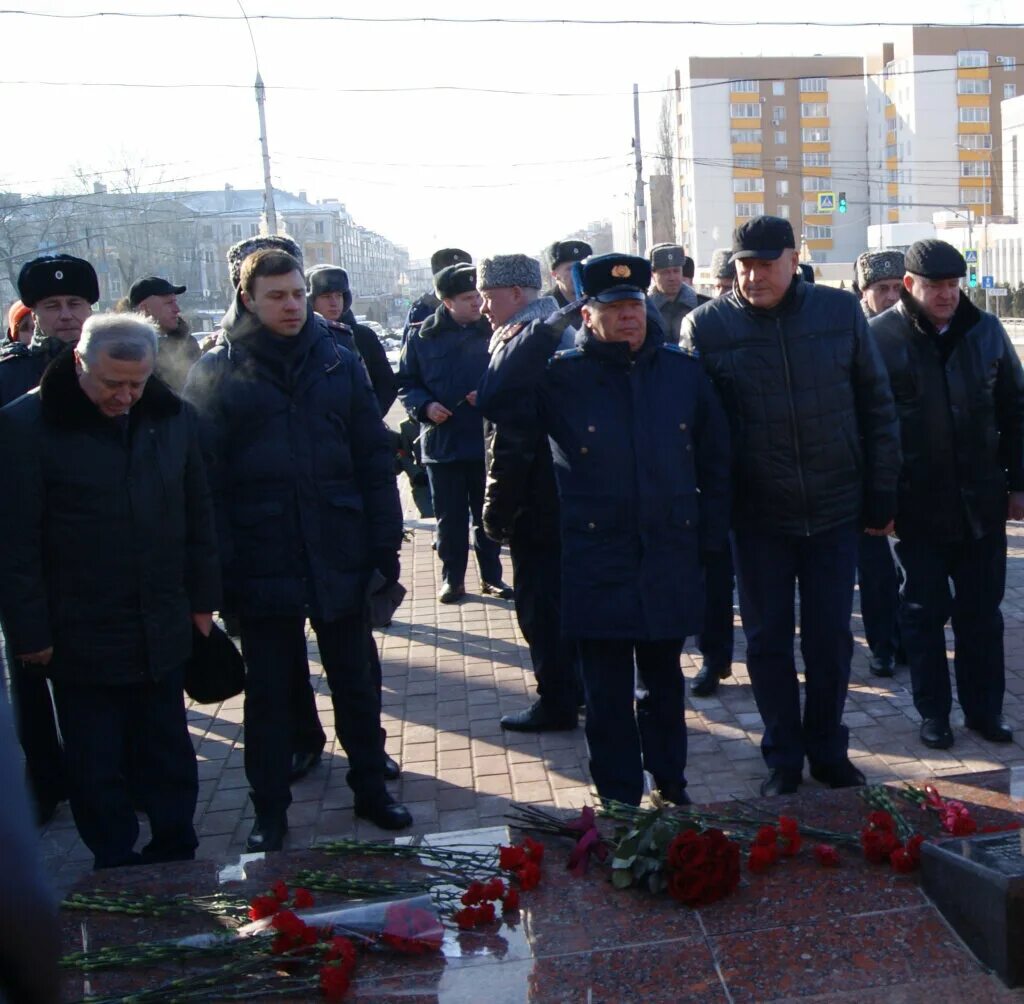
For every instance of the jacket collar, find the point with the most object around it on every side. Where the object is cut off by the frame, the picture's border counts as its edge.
(618, 352)
(65, 404)
(441, 320)
(963, 319)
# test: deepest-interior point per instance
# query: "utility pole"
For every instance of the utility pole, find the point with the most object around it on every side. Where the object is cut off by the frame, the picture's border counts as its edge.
(268, 188)
(641, 212)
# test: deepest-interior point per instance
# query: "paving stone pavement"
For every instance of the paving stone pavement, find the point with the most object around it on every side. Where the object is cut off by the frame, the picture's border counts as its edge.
(450, 672)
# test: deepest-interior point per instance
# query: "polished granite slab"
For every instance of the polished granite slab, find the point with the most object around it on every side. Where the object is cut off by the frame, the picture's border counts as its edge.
(799, 932)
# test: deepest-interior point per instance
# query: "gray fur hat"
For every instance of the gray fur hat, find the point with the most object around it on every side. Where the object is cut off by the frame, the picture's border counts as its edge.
(237, 253)
(509, 270)
(873, 266)
(721, 265)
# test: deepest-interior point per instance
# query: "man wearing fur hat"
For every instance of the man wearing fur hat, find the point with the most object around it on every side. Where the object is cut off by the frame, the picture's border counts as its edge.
(442, 363)
(879, 282)
(428, 303)
(670, 294)
(959, 390)
(563, 256)
(723, 271)
(521, 507)
(640, 450)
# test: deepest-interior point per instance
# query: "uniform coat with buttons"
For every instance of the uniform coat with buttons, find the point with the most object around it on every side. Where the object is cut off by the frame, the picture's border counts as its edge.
(301, 468)
(641, 454)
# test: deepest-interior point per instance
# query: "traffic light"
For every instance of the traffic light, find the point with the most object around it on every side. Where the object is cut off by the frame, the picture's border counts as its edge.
(842, 202)
(972, 277)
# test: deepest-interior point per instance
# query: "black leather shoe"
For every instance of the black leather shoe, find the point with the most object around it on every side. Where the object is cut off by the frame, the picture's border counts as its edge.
(936, 733)
(267, 834)
(782, 781)
(995, 729)
(392, 772)
(383, 811)
(675, 793)
(837, 775)
(705, 683)
(451, 592)
(302, 764)
(537, 718)
(500, 589)
(882, 665)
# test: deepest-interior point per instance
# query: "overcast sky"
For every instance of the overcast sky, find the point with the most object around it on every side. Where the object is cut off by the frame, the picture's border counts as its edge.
(492, 173)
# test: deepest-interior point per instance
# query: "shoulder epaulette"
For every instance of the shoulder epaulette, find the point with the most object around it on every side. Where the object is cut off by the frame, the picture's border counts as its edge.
(563, 354)
(339, 326)
(681, 350)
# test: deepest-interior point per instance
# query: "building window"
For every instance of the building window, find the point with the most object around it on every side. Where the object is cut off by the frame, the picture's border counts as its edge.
(783, 210)
(816, 184)
(813, 84)
(971, 58)
(975, 141)
(818, 232)
(817, 159)
(781, 163)
(744, 86)
(1009, 91)
(778, 114)
(819, 135)
(974, 86)
(811, 208)
(780, 137)
(782, 186)
(976, 169)
(778, 88)
(971, 195)
(746, 160)
(254, 230)
(749, 209)
(236, 231)
(746, 135)
(1008, 63)
(751, 110)
(814, 110)
(748, 184)
(318, 227)
(208, 257)
(207, 233)
(974, 114)
(114, 284)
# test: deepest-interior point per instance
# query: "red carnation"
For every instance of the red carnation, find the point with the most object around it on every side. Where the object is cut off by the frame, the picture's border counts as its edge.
(902, 861)
(334, 982)
(881, 820)
(788, 827)
(766, 837)
(534, 849)
(510, 858)
(760, 858)
(302, 899)
(791, 846)
(475, 893)
(510, 902)
(279, 890)
(914, 847)
(341, 950)
(263, 906)
(465, 918)
(494, 888)
(528, 875)
(827, 855)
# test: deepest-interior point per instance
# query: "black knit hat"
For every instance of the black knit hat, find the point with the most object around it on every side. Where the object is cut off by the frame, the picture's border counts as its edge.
(57, 275)
(933, 259)
(689, 268)
(455, 279)
(565, 251)
(444, 257)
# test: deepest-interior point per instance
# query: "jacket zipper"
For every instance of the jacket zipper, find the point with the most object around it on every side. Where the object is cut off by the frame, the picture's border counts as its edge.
(793, 425)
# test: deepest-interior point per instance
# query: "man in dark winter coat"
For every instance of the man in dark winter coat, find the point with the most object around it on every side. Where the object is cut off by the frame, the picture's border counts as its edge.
(113, 563)
(641, 456)
(60, 290)
(304, 489)
(563, 256)
(521, 507)
(959, 391)
(330, 295)
(426, 306)
(816, 459)
(879, 279)
(441, 366)
(157, 299)
(670, 294)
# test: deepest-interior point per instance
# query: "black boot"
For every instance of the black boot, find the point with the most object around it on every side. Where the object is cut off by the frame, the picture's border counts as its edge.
(267, 833)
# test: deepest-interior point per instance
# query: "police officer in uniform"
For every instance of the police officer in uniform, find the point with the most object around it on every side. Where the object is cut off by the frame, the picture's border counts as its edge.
(428, 303)
(959, 390)
(670, 293)
(563, 255)
(641, 453)
(723, 271)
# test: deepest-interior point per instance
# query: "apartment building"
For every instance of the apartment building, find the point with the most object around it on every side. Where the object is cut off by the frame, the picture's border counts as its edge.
(766, 135)
(934, 98)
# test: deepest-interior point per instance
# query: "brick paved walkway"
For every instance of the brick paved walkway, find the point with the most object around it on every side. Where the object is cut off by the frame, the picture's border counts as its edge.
(450, 672)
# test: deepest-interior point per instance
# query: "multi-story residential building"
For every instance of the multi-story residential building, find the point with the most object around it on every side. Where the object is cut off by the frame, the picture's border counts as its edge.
(766, 135)
(934, 97)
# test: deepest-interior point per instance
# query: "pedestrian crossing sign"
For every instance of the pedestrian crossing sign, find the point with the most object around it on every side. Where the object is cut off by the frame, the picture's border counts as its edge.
(826, 202)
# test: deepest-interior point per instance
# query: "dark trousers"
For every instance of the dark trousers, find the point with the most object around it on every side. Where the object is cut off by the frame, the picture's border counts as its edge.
(716, 640)
(112, 735)
(36, 726)
(879, 580)
(273, 703)
(536, 566)
(457, 489)
(624, 742)
(977, 569)
(768, 569)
